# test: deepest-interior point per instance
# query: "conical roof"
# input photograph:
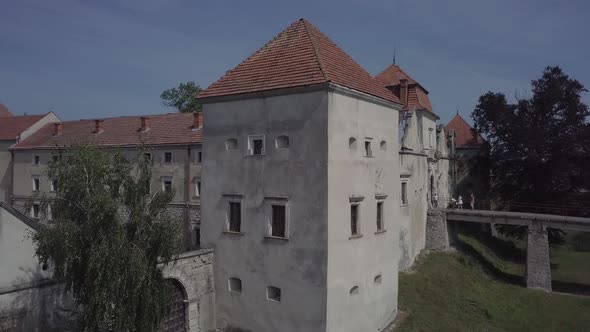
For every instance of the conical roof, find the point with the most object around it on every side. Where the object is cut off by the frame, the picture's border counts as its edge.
(300, 55)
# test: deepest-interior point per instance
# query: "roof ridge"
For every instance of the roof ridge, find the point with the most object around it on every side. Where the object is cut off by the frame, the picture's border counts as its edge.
(315, 49)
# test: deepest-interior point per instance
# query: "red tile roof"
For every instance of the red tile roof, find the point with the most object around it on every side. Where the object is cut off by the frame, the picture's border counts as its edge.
(4, 111)
(165, 129)
(12, 126)
(393, 74)
(417, 95)
(300, 55)
(463, 133)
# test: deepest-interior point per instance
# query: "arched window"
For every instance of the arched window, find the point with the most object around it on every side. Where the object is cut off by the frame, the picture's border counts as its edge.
(282, 142)
(231, 144)
(383, 145)
(352, 143)
(175, 317)
(377, 279)
(354, 290)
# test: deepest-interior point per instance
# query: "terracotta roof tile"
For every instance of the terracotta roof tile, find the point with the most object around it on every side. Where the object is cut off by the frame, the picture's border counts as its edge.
(300, 55)
(4, 111)
(393, 74)
(165, 129)
(12, 126)
(463, 134)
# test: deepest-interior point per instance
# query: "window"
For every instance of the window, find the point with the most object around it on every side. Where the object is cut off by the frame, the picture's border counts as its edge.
(35, 184)
(383, 145)
(278, 224)
(368, 151)
(55, 159)
(147, 157)
(197, 239)
(231, 144)
(167, 157)
(352, 143)
(377, 279)
(256, 145)
(199, 156)
(49, 215)
(354, 290)
(354, 224)
(235, 285)
(282, 142)
(273, 293)
(167, 184)
(35, 210)
(36, 160)
(404, 192)
(53, 185)
(235, 217)
(380, 216)
(198, 188)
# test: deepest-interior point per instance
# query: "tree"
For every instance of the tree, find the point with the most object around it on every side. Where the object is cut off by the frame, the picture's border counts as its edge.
(183, 97)
(538, 145)
(108, 238)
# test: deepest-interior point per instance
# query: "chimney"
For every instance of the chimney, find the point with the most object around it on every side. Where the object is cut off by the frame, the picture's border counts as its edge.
(403, 91)
(146, 124)
(98, 126)
(198, 120)
(57, 128)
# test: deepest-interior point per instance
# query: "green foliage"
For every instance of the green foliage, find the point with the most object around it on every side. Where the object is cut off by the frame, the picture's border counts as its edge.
(108, 237)
(538, 146)
(183, 97)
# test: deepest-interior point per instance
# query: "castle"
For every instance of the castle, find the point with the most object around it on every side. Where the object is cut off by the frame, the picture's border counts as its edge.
(313, 180)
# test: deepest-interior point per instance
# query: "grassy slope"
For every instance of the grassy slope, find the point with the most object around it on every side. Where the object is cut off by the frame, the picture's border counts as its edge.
(479, 289)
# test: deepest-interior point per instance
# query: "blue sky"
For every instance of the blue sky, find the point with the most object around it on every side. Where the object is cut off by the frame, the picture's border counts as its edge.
(88, 59)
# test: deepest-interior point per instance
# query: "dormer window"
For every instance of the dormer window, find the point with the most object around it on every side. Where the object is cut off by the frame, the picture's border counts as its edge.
(256, 145)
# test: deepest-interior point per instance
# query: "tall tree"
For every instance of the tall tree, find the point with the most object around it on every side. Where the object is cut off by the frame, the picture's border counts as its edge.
(183, 97)
(108, 238)
(538, 145)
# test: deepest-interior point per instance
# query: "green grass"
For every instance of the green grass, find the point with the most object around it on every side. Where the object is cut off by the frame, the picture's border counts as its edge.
(480, 288)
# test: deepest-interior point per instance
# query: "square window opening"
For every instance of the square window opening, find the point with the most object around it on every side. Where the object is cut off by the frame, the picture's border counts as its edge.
(273, 293)
(168, 157)
(235, 285)
(256, 145)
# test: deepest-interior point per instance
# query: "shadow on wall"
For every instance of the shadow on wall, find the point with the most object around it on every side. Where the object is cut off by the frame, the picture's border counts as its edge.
(44, 306)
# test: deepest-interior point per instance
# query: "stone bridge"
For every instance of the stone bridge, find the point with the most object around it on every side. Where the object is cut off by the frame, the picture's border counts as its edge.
(440, 234)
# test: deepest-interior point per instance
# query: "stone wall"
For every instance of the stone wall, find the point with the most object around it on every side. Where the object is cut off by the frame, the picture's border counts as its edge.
(194, 271)
(538, 268)
(437, 234)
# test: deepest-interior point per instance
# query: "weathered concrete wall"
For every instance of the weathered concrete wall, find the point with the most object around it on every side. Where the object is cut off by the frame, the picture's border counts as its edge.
(538, 267)
(297, 175)
(358, 261)
(194, 271)
(437, 231)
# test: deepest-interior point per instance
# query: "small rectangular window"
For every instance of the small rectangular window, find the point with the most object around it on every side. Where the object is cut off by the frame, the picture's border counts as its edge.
(36, 160)
(235, 217)
(147, 157)
(53, 185)
(380, 216)
(404, 193)
(278, 225)
(35, 184)
(198, 189)
(197, 240)
(199, 156)
(354, 225)
(35, 211)
(256, 145)
(368, 151)
(167, 185)
(167, 157)
(235, 285)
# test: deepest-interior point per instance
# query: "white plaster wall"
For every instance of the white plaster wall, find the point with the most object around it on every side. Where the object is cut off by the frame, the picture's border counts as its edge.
(17, 253)
(5, 170)
(357, 261)
(299, 173)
